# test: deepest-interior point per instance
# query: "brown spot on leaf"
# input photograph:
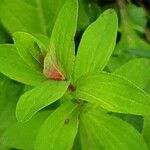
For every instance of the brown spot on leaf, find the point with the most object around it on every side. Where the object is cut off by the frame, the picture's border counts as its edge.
(71, 88)
(66, 121)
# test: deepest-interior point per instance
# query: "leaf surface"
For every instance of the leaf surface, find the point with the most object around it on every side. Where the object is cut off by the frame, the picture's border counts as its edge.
(10, 92)
(138, 72)
(113, 93)
(30, 49)
(99, 130)
(39, 97)
(14, 67)
(23, 135)
(62, 39)
(97, 44)
(42, 15)
(59, 130)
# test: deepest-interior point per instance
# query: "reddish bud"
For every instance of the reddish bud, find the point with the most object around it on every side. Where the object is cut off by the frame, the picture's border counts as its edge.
(53, 73)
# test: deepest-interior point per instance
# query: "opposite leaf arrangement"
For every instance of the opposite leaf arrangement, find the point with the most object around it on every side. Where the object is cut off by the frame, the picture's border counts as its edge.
(87, 95)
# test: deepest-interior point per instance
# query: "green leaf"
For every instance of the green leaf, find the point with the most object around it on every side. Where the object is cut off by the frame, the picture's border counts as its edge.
(22, 17)
(23, 135)
(14, 67)
(146, 130)
(88, 12)
(97, 44)
(39, 97)
(99, 130)
(10, 92)
(113, 93)
(137, 16)
(33, 16)
(62, 39)
(137, 70)
(31, 50)
(59, 130)
(2, 147)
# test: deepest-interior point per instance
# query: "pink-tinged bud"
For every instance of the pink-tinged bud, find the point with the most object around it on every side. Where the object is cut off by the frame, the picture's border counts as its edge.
(53, 73)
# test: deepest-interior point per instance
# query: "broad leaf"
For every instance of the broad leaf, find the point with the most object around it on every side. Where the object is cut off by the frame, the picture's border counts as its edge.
(61, 53)
(23, 135)
(10, 92)
(33, 16)
(14, 67)
(39, 97)
(22, 17)
(138, 72)
(99, 130)
(31, 50)
(97, 44)
(113, 93)
(59, 130)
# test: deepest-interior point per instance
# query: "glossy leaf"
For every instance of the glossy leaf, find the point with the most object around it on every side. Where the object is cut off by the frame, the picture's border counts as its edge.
(113, 93)
(97, 44)
(23, 135)
(14, 67)
(99, 130)
(59, 130)
(30, 49)
(39, 97)
(61, 53)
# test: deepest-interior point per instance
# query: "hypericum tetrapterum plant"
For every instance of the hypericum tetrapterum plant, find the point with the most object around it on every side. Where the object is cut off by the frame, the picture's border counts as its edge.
(87, 94)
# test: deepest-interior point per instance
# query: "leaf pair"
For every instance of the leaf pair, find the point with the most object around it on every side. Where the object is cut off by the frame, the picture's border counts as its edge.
(97, 130)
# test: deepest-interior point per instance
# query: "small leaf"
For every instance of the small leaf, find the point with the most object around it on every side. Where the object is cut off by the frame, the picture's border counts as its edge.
(113, 93)
(39, 97)
(59, 130)
(14, 67)
(97, 44)
(23, 135)
(61, 53)
(99, 130)
(31, 50)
